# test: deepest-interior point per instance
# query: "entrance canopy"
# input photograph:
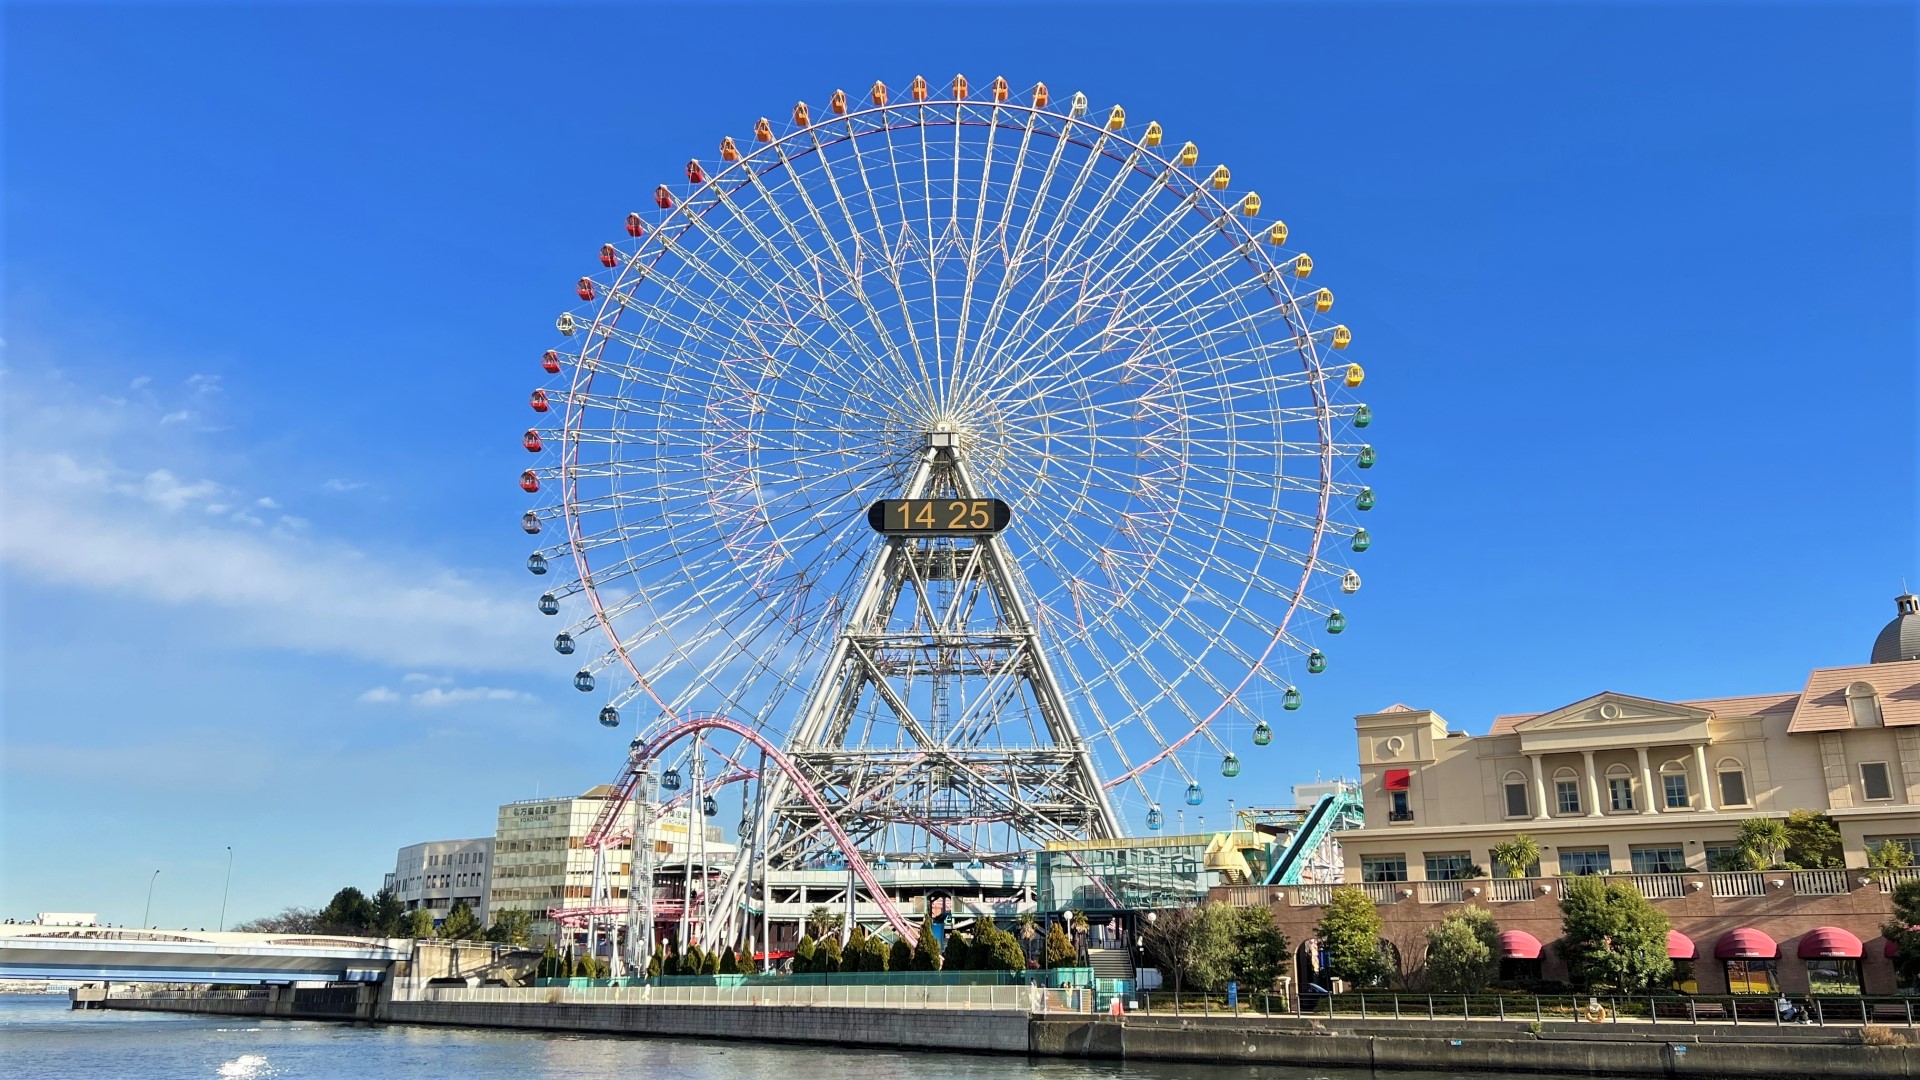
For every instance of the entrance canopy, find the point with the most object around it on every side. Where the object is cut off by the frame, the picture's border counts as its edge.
(1745, 943)
(1829, 941)
(1518, 945)
(1680, 946)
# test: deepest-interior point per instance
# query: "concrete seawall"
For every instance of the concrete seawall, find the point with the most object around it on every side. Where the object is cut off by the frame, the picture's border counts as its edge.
(1452, 1046)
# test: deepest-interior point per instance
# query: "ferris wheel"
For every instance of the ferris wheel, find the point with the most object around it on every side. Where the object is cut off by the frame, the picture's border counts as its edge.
(983, 456)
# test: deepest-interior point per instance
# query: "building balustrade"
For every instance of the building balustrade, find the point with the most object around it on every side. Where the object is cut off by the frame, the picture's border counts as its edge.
(1510, 890)
(1385, 892)
(1820, 882)
(1891, 879)
(1440, 892)
(1659, 886)
(1738, 883)
(1313, 895)
(1505, 890)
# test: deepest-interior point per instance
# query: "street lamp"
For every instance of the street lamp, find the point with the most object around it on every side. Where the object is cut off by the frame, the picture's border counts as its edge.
(144, 921)
(226, 887)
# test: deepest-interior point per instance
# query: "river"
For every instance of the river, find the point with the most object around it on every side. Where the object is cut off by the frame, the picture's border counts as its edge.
(42, 1039)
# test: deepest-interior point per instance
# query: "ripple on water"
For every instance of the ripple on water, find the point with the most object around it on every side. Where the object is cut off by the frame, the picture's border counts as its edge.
(246, 1067)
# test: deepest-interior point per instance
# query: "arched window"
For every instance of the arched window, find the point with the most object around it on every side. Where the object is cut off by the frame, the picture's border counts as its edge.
(1733, 782)
(1566, 791)
(1514, 788)
(1863, 703)
(1673, 786)
(1620, 789)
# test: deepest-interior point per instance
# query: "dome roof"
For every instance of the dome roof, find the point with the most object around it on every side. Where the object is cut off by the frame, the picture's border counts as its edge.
(1899, 639)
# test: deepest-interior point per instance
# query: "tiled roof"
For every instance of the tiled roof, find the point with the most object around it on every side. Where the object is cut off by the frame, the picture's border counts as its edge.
(1397, 707)
(1505, 725)
(1823, 704)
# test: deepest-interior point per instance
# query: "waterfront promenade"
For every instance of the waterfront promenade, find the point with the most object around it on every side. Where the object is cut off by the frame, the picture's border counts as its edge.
(1019, 1020)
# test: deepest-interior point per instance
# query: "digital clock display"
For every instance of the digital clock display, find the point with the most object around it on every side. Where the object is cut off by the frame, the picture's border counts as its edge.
(939, 517)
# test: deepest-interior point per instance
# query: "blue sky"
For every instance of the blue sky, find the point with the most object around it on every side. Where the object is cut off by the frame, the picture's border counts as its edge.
(1635, 285)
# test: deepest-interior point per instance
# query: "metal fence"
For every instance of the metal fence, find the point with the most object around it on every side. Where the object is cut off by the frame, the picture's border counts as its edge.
(1657, 1009)
(864, 996)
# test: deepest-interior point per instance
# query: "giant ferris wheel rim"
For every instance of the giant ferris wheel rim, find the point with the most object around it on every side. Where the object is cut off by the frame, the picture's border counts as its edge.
(780, 152)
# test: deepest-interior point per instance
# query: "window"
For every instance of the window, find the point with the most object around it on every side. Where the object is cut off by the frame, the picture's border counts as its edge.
(1383, 868)
(1725, 856)
(1448, 866)
(1566, 794)
(1733, 788)
(1658, 860)
(1863, 704)
(1516, 791)
(1875, 779)
(1673, 780)
(1751, 977)
(1620, 790)
(1397, 807)
(1577, 862)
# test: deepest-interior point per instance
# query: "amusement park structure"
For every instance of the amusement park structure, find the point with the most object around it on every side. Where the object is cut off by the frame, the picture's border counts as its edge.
(944, 475)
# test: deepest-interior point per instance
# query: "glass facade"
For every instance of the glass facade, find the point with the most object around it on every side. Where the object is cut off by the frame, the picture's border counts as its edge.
(1136, 875)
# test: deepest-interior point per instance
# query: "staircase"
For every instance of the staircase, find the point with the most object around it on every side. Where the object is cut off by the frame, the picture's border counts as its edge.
(1111, 963)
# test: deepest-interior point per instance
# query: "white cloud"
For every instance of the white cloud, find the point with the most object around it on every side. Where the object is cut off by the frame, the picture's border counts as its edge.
(180, 416)
(342, 485)
(436, 697)
(266, 503)
(379, 695)
(140, 382)
(92, 503)
(203, 385)
(419, 677)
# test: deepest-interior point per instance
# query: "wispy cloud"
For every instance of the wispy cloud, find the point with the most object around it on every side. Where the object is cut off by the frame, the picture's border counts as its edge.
(379, 695)
(178, 416)
(337, 485)
(435, 697)
(419, 677)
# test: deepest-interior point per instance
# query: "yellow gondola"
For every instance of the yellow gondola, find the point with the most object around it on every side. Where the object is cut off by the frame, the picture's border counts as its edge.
(1153, 133)
(1250, 206)
(1342, 337)
(1116, 119)
(1277, 235)
(1302, 265)
(1355, 376)
(1323, 300)
(1221, 177)
(1189, 155)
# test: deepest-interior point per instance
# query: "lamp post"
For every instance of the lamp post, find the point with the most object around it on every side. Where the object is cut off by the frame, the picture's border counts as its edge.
(226, 887)
(144, 921)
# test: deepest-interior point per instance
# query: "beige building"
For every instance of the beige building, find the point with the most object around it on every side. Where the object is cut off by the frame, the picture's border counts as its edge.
(1620, 783)
(438, 874)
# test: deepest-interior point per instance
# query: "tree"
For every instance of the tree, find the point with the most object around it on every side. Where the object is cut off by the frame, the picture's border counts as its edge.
(550, 963)
(822, 923)
(828, 958)
(710, 964)
(1813, 842)
(349, 912)
(1612, 936)
(1060, 952)
(418, 924)
(1463, 952)
(1516, 856)
(958, 955)
(389, 913)
(999, 950)
(654, 966)
(1349, 930)
(1889, 855)
(900, 955)
(1763, 842)
(926, 947)
(1029, 929)
(875, 949)
(729, 962)
(514, 926)
(1193, 945)
(293, 920)
(461, 924)
(1259, 949)
(805, 954)
(1904, 931)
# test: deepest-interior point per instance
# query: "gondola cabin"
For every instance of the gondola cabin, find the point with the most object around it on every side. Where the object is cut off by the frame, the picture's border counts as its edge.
(728, 151)
(609, 255)
(662, 197)
(636, 227)
(550, 362)
(695, 174)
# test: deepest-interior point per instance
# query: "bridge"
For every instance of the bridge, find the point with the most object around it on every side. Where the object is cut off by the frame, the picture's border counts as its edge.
(118, 954)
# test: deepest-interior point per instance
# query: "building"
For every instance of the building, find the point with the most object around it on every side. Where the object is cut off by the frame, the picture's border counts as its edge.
(1655, 791)
(438, 874)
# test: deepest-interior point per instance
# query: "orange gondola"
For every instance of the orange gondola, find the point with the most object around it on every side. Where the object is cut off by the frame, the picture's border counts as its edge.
(531, 440)
(728, 151)
(695, 174)
(663, 198)
(584, 288)
(539, 401)
(917, 89)
(838, 103)
(609, 255)
(529, 483)
(959, 88)
(999, 88)
(879, 93)
(636, 227)
(763, 130)
(1039, 95)
(801, 117)
(550, 362)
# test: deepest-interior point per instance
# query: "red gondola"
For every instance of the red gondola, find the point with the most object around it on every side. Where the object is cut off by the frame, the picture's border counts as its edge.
(550, 362)
(695, 175)
(609, 255)
(529, 482)
(635, 227)
(584, 288)
(538, 401)
(531, 440)
(663, 198)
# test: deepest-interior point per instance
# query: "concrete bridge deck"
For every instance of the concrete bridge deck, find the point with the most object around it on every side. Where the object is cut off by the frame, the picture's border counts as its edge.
(119, 954)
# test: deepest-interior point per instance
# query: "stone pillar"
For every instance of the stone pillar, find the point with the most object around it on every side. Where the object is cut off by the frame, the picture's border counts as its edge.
(1648, 797)
(1706, 786)
(1539, 788)
(1593, 785)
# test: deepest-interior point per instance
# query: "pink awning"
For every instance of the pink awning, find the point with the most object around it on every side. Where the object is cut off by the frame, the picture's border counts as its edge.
(1829, 941)
(1518, 945)
(1680, 946)
(1745, 943)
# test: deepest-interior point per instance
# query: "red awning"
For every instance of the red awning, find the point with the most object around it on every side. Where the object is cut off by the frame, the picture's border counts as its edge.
(1680, 946)
(1745, 943)
(1518, 945)
(1829, 941)
(1399, 779)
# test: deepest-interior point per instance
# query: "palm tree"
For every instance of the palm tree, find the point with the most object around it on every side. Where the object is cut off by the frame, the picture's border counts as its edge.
(1764, 842)
(1515, 856)
(823, 923)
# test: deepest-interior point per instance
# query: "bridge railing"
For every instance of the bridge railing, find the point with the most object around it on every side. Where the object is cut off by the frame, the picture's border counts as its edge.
(879, 997)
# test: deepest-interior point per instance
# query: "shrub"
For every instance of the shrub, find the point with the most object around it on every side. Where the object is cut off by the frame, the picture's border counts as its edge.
(1881, 1035)
(1612, 936)
(1349, 930)
(805, 954)
(900, 955)
(926, 950)
(958, 955)
(1463, 953)
(1060, 952)
(828, 958)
